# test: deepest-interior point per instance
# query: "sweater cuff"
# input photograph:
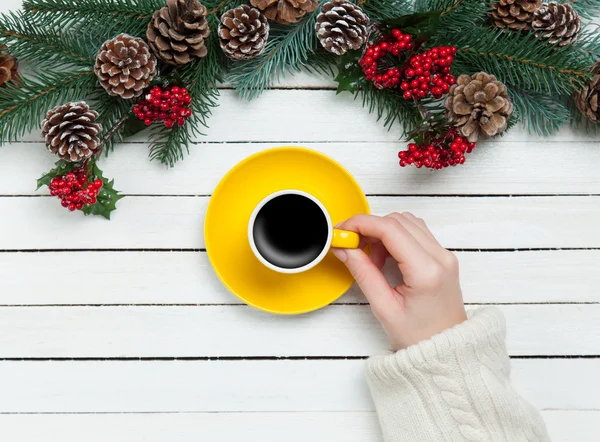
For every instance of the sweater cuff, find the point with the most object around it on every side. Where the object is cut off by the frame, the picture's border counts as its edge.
(483, 327)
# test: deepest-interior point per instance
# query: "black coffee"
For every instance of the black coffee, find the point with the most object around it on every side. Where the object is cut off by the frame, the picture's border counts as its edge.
(290, 231)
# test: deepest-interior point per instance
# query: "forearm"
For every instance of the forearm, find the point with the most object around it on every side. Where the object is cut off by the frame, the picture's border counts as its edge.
(453, 387)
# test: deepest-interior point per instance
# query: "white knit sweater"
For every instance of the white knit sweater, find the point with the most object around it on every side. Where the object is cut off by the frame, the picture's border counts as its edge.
(453, 387)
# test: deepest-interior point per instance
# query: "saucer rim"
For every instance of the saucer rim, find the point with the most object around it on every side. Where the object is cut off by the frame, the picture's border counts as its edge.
(222, 183)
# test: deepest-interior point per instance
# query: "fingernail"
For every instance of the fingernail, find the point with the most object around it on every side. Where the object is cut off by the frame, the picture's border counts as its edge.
(340, 254)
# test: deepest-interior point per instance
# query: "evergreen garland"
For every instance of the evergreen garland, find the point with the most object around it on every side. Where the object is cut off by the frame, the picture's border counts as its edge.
(61, 39)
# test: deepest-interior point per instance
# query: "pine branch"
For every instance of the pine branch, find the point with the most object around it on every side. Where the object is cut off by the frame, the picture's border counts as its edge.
(390, 107)
(100, 18)
(588, 43)
(201, 78)
(437, 5)
(23, 107)
(458, 17)
(288, 49)
(539, 113)
(520, 60)
(380, 10)
(112, 114)
(589, 9)
(44, 46)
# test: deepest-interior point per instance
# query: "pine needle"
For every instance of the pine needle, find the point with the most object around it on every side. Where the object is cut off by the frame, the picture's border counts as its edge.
(23, 107)
(288, 49)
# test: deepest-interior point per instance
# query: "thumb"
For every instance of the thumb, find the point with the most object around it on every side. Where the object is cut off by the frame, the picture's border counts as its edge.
(369, 278)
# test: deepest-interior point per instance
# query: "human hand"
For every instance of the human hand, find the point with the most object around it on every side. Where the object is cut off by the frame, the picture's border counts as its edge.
(430, 299)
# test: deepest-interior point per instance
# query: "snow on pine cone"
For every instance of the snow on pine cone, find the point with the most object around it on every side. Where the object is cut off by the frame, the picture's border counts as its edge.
(178, 32)
(342, 26)
(125, 66)
(556, 23)
(71, 131)
(243, 32)
(285, 11)
(478, 106)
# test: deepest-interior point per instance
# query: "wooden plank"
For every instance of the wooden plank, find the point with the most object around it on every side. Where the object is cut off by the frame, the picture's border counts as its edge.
(147, 278)
(251, 386)
(499, 168)
(563, 426)
(190, 331)
(177, 222)
(310, 115)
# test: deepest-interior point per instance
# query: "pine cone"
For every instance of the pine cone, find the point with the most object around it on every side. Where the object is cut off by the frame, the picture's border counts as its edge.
(341, 26)
(177, 32)
(557, 23)
(8, 67)
(71, 131)
(478, 106)
(588, 100)
(125, 66)
(514, 14)
(243, 32)
(285, 11)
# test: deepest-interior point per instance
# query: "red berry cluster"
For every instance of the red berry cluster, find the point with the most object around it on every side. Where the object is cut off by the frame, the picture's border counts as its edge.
(74, 190)
(393, 44)
(446, 150)
(170, 104)
(429, 72)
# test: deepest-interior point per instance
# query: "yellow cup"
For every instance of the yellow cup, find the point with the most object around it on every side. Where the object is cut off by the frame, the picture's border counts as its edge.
(290, 231)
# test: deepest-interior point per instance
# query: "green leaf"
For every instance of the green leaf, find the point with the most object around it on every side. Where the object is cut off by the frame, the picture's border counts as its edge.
(421, 25)
(107, 197)
(62, 168)
(350, 74)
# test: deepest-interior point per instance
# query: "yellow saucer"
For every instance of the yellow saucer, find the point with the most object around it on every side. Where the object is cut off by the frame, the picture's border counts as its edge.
(226, 228)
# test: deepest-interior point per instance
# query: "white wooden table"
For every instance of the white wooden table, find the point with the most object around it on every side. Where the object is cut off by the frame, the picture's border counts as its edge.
(119, 331)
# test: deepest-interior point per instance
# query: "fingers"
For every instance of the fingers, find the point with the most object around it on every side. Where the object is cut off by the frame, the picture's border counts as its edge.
(379, 254)
(369, 278)
(399, 242)
(425, 238)
(419, 222)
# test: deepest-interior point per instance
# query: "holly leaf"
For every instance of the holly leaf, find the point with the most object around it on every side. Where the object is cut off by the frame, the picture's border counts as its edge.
(107, 198)
(62, 168)
(350, 74)
(421, 25)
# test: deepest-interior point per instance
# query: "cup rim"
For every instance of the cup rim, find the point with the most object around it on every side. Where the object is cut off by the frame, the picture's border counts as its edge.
(305, 267)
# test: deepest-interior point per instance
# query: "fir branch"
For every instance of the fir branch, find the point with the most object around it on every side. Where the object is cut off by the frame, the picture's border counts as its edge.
(113, 114)
(381, 10)
(538, 112)
(589, 9)
(169, 145)
(390, 107)
(288, 49)
(201, 78)
(458, 17)
(589, 43)
(141, 10)
(23, 107)
(520, 59)
(99, 18)
(44, 46)
(219, 6)
(445, 6)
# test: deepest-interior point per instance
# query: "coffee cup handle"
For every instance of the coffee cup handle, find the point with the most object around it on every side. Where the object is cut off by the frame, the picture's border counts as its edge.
(344, 239)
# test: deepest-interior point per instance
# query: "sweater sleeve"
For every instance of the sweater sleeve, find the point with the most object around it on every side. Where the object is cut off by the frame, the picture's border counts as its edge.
(453, 387)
